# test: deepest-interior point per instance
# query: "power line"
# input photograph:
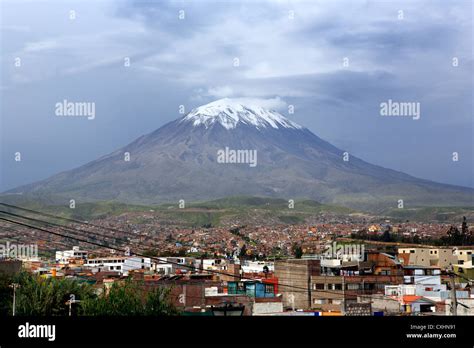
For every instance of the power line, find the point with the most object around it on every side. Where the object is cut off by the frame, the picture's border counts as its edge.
(305, 290)
(210, 271)
(126, 241)
(86, 223)
(56, 225)
(61, 217)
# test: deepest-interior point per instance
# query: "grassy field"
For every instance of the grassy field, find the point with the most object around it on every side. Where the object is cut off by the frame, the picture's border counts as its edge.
(241, 209)
(209, 213)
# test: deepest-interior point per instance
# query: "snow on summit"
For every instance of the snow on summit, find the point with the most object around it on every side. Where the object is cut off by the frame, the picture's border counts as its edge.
(230, 112)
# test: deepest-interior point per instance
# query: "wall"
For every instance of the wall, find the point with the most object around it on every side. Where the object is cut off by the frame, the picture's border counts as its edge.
(10, 266)
(261, 308)
(294, 281)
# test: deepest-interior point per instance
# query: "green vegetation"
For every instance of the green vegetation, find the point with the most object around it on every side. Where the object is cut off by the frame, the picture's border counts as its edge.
(129, 298)
(291, 219)
(195, 214)
(297, 251)
(38, 296)
(453, 237)
(439, 214)
(213, 213)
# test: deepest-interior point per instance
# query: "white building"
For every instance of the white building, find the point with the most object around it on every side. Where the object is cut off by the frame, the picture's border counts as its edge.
(75, 254)
(174, 265)
(214, 264)
(121, 264)
(136, 263)
(256, 266)
(163, 268)
(421, 283)
(106, 263)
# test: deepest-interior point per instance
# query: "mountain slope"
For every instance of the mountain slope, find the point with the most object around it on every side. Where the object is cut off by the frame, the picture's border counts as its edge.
(180, 161)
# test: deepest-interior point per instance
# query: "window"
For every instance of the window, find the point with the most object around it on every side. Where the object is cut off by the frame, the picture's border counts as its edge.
(368, 286)
(412, 251)
(268, 289)
(352, 286)
(337, 286)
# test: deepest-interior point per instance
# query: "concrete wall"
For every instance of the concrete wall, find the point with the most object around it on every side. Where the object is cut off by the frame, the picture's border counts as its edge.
(10, 266)
(294, 281)
(262, 308)
(440, 257)
(382, 304)
(468, 302)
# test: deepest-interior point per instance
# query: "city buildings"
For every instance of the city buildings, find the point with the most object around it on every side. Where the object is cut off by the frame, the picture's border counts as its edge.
(439, 257)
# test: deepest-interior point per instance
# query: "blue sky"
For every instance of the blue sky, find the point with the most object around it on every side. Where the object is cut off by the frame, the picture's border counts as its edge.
(290, 53)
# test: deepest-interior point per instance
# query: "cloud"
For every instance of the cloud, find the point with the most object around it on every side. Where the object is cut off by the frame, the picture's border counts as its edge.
(220, 91)
(283, 60)
(16, 28)
(40, 46)
(271, 104)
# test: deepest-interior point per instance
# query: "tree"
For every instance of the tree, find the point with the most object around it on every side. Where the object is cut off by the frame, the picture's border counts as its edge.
(158, 302)
(243, 251)
(150, 253)
(297, 251)
(37, 296)
(6, 295)
(129, 298)
(456, 237)
(386, 237)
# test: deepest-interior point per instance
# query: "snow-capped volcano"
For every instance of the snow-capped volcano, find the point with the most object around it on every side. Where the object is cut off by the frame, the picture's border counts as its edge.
(180, 160)
(229, 113)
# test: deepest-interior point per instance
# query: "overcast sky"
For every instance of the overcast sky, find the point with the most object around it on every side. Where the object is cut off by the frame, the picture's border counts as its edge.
(289, 53)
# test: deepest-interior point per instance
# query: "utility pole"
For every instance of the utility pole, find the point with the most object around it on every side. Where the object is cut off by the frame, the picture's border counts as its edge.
(343, 296)
(72, 299)
(454, 300)
(14, 286)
